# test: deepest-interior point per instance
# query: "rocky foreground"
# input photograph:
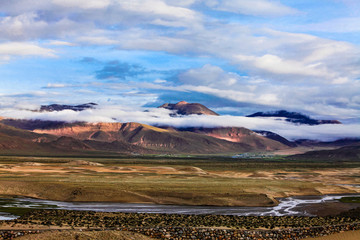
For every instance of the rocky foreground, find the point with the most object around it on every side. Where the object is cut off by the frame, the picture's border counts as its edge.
(175, 226)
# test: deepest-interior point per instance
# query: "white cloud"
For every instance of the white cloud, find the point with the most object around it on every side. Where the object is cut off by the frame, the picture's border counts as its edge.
(86, 4)
(209, 75)
(337, 101)
(160, 81)
(159, 12)
(252, 7)
(97, 40)
(61, 43)
(276, 65)
(181, 3)
(263, 52)
(64, 18)
(15, 27)
(56, 85)
(31, 25)
(338, 25)
(24, 49)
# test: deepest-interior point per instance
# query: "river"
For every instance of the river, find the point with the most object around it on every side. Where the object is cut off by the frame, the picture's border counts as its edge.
(295, 206)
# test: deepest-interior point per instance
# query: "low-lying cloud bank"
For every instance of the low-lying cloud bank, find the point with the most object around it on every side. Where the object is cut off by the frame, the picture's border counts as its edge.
(160, 117)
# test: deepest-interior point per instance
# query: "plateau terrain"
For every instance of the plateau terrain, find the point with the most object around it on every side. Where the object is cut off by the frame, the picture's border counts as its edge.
(185, 166)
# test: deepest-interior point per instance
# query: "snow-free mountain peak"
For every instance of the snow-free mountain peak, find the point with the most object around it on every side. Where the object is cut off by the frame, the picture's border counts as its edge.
(185, 108)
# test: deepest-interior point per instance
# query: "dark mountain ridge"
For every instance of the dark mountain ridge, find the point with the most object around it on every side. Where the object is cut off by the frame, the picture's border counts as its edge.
(30, 124)
(61, 107)
(275, 137)
(294, 117)
(343, 154)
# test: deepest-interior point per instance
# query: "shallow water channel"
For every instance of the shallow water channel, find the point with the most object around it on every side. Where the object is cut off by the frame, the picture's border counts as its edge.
(296, 206)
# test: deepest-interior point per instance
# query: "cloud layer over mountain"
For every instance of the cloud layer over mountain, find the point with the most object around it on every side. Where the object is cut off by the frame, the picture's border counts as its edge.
(161, 117)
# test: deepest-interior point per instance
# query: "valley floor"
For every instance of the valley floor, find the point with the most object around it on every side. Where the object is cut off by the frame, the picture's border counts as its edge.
(201, 180)
(183, 181)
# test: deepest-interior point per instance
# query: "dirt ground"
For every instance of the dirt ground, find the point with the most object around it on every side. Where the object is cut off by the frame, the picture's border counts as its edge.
(350, 235)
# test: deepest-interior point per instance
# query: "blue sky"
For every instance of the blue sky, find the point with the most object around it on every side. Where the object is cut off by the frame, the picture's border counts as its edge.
(236, 56)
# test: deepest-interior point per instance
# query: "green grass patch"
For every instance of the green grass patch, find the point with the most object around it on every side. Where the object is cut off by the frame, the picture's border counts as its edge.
(15, 210)
(350, 199)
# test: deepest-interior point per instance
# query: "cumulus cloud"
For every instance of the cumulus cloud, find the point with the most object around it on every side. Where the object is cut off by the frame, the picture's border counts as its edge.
(30, 26)
(24, 49)
(209, 75)
(159, 12)
(159, 25)
(268, 54)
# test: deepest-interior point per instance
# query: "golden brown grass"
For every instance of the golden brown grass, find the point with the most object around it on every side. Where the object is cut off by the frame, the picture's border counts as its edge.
(164, 183)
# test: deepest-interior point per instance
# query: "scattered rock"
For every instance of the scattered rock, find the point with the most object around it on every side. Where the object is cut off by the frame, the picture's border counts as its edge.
(82, 162)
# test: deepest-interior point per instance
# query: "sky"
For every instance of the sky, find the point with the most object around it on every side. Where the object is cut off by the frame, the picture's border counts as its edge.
(236, 57)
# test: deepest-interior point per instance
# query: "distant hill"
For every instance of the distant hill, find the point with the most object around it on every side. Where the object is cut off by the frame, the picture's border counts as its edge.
(294, 117)
(276, 137)
(14, 140)
(240, 135)
(19, 141)
(61, 107)
(147, 137)
(185, 108)
(338, 143)
(343, 154)
(26, 124)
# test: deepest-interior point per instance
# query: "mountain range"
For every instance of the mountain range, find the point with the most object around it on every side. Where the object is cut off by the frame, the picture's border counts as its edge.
(59, 137)
(294, 117)
(141, 138)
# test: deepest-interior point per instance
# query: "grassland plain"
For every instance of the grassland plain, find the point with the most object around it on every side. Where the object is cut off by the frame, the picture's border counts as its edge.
(182, 179)
(199, 180)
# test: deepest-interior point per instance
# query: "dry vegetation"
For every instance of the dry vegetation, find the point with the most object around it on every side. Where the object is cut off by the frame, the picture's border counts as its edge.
(172, 181)
(90, 235)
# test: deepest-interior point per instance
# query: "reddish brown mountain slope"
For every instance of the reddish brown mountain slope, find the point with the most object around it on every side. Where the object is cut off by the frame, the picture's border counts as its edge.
(240, 135)
(149, 137)
(185, 108)
(13, 140)
(18, 141)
